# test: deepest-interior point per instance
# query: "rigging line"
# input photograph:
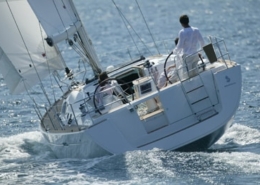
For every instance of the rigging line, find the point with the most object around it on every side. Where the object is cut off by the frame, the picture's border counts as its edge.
(95, 67)
(81, 48)
(38, 112)
(80, 53)
(28, 53)
(59, 86)
(60, 18)
(126, 27)
(84, 58)
(63, 3)
(47, 61)
(147, 26)
(74, 10)
(77, 49)
(65, 7)
(125, 20)
(85, 53)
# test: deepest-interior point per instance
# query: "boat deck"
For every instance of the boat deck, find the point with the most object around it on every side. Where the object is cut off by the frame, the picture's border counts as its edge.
(51, 121)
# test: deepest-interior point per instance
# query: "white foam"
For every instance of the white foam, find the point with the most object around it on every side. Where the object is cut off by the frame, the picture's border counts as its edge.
(23, 145)
(240, 134)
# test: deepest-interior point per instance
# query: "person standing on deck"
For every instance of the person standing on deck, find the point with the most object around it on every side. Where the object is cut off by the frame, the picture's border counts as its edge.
(189, 40)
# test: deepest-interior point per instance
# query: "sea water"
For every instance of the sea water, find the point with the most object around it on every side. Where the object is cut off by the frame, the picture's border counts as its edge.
(234, 159)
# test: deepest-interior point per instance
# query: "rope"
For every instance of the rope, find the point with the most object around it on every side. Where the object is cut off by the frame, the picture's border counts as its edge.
(60, 17)
(41, 85)
(81, 53)
(126, 21)
(87, 55)
(147, 25)
(47, 61)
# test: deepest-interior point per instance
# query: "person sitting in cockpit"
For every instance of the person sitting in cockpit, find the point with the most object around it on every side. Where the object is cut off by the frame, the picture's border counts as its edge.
(108, 92)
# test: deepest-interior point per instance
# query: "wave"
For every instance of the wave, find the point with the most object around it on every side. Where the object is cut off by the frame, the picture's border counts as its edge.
(24, 145)
(239, 138)
(32, 144)
(236, 153)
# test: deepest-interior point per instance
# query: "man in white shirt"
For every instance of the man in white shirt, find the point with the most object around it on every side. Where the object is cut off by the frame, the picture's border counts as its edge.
(189, 40)
(108, 93)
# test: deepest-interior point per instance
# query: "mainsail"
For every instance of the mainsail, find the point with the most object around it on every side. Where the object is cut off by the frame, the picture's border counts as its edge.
(60, 21)
(57, 18)
(24, 58)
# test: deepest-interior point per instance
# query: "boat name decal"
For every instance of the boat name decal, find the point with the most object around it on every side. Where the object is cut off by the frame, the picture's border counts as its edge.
(228, 80)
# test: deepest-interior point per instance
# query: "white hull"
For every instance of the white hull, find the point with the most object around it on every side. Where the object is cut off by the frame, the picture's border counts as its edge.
(82, 146)
(176, 127)
(74, 145)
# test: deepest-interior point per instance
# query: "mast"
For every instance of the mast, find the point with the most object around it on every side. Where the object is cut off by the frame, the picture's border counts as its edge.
(87, 44)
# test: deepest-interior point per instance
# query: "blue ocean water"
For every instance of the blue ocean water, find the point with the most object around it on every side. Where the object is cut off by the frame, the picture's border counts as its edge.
(234, 159)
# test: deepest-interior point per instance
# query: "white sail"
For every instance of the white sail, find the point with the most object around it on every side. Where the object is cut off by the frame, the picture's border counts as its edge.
(24, 58)
(60, 20)
(9, 72)
(57, 18)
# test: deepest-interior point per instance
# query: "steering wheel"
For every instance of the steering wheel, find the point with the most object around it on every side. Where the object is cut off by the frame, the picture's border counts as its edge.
(164, 67)
(104, 81)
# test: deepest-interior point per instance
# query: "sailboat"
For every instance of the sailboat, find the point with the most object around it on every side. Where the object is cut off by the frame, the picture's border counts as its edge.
(81, 115)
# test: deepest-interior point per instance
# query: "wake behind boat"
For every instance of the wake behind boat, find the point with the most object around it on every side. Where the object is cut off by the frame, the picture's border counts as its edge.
(154, 101)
